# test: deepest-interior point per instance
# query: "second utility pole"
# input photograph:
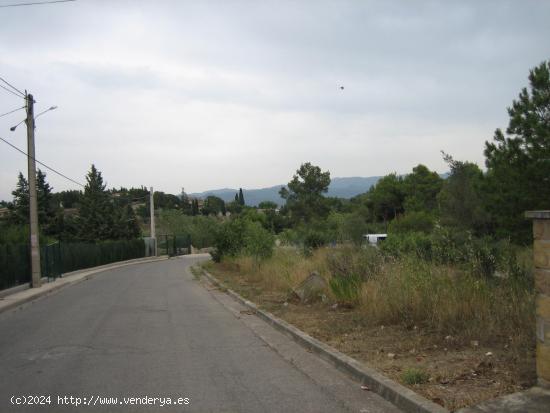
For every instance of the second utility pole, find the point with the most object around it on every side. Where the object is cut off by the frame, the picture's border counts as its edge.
(152, 208)
(33, 202)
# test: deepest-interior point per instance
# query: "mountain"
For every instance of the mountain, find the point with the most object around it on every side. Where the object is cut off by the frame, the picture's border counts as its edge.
(339, 187)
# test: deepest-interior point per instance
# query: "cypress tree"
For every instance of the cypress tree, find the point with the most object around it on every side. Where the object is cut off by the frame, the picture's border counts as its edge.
(241, 197)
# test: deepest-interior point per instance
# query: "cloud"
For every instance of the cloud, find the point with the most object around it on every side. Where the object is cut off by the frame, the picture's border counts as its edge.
(214, 93)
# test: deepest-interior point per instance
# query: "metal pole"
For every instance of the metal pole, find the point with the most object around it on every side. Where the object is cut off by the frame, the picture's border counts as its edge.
(33, 204)
(152, 208)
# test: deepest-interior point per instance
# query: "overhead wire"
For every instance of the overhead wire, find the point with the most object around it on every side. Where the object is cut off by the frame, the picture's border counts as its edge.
(57, 172)
(13, 87)
(35, 3)
(12, 92)
(41, 163)
(11, 111)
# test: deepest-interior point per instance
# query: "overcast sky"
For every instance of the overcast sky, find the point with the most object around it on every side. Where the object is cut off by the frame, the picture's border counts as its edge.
(212, 94)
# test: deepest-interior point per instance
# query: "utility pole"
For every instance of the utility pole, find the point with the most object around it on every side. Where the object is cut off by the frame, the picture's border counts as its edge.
(33, 202)
(152, 208)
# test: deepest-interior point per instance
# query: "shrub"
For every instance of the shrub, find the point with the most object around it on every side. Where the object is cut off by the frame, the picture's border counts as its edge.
(414, 376)
(364, 262)
(420, 221)
(229, 239)
(258, 241)
(240, 235)
(346, 289)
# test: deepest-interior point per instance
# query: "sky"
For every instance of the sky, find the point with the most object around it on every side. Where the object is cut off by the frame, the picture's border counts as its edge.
(213, 94)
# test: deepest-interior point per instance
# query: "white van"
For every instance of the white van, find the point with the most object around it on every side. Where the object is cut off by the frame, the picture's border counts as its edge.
(373, 239)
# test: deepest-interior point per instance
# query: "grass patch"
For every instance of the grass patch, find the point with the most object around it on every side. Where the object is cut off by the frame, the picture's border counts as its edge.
(413, 376)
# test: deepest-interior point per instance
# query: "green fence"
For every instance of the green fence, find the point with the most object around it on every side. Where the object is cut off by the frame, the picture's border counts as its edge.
(61, 257)
(172, 245)
(15, 266)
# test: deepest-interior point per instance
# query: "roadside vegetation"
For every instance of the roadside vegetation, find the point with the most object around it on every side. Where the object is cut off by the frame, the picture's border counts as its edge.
(446, 303)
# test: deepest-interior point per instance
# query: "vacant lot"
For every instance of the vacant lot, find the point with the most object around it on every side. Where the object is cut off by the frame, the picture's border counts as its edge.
(446, 350)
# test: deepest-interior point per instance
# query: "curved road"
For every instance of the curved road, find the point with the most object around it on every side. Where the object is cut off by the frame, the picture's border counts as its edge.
(152, 330)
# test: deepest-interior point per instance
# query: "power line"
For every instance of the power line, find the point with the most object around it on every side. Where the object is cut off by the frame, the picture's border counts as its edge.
(13, 87)
(35, 3)
(11, 111)
(12, 92)
(41, 163)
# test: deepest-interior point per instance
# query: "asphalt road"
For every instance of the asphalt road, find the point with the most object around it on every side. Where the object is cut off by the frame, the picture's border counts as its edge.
(152, 331)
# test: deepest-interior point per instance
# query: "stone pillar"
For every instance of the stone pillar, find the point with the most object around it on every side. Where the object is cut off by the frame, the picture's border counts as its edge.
(541, 253)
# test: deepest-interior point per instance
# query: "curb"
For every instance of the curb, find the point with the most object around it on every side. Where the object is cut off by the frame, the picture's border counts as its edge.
(390, 390)
(11, 301)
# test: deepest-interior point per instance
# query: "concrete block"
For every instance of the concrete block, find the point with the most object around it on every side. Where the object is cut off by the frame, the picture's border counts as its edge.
(542, 281)
(543, 361)
(543, 306)
(541, 229)
(541, 253)
(543, 330)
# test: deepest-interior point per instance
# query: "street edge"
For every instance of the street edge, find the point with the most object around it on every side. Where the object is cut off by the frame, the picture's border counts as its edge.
(64, 281)
(390, 390)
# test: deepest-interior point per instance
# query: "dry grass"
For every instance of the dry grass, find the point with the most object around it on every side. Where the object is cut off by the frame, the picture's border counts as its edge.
(433, 318)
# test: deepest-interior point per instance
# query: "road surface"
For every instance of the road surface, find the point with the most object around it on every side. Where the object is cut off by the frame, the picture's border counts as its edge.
(150, 338)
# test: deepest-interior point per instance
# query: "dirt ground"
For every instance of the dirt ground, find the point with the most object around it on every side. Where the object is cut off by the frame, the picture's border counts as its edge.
(460, 374)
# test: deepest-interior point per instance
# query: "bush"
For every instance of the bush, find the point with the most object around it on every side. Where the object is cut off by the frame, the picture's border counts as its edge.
(229, 239)
(420, 221)
(346, 289)
(240, 235)
(415, 376)
(481, 257)
(258, 241)
(364, 262)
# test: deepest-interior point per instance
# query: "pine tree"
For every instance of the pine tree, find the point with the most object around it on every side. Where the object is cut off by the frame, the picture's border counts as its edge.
(518, 163)
(95, 219)
(46, 206)
(19, 208)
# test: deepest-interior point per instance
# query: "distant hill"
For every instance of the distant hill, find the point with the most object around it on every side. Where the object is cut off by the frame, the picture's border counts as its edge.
(339, 187)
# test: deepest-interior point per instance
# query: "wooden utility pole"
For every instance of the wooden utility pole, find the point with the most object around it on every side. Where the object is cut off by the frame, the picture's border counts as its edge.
(152, 208)
(33, 202)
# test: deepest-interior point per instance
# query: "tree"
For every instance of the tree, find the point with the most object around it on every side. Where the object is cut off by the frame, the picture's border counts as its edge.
(46, 205)
(19, 208)
(194, 207)
(213, 205)
(95, 220)
(518, 162)
(461, 198)
(267, 205)
(387, 196)
(421, 188)
(304, 196)
(241, 197)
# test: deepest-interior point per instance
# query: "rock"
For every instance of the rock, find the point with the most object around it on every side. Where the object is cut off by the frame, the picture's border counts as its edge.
(489, 354)
(312, 288)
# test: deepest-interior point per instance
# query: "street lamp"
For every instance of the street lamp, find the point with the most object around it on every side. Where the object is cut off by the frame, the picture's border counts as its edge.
(41, 113)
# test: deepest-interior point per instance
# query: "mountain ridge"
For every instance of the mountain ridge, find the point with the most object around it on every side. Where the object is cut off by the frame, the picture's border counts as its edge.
(341, 187)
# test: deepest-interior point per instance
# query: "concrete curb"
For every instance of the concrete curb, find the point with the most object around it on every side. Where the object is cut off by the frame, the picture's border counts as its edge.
(390, 390)
(29, 294)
